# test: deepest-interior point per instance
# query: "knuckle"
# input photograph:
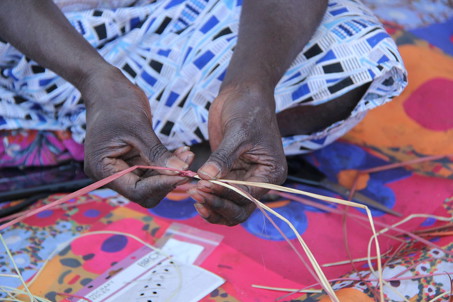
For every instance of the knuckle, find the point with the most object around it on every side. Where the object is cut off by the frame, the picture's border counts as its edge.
(215, 219)
(240, 132)
(95, 169)
(239, 126)
(280, 173)
(259, 192)
(149, 197)
(244, 201)
(156, 152)
(240, 217)
(222, 158)
(281, 177)
(244, 214)
(239, 198)
(217, 204)
(228, 194)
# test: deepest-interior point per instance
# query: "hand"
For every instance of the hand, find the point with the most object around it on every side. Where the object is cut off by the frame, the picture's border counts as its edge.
(244, 136)
(120, 135)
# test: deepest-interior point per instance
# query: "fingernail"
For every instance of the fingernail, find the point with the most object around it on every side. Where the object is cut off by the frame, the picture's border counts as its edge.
(211, 171)
(205, 186)
(184, 149)
(189, 157)
(176, 163)
(195, 195)
(201, 210)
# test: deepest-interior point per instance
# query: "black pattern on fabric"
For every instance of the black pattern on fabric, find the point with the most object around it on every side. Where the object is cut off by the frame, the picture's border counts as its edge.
(178, 52)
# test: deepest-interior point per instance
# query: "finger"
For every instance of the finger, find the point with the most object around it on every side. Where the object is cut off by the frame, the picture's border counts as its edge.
(225, 193)
(184, 154)
(150, 191)
(272, 172)
(256, 191)
(221, 211)
(212, 217)
(146, 191)
(181, 149)
(223, 158)
(156, 154)
(204, 211)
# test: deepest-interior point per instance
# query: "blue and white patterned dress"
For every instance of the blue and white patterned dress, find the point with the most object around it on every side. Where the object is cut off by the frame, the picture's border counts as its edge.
(177, 51)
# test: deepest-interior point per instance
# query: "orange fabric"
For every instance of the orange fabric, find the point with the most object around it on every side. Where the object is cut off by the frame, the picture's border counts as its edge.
(349, 295)
(346, 178)
(402, 132)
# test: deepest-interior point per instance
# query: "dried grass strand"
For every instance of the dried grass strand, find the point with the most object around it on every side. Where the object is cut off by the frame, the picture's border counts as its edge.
(324, 198)
(324, 281)
(281, 289)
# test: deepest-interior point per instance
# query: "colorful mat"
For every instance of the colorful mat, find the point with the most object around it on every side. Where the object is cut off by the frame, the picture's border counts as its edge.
(252, 253)
(416, 124)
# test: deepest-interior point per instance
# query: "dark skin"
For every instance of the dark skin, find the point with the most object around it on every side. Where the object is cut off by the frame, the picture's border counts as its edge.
(244, 131)
(243, 128)
(114, 140)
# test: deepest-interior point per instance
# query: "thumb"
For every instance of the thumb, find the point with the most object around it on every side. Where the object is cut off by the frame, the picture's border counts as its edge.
(222, 160)
(157, 154)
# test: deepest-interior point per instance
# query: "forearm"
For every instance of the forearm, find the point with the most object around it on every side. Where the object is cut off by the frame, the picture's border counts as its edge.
(38, 29)
(271, 34)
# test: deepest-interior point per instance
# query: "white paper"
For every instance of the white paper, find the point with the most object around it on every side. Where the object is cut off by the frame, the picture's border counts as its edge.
(184, 252)
(157, 278)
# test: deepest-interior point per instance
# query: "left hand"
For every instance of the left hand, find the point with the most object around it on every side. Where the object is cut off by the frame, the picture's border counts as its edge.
(246, 144)
(120, 135)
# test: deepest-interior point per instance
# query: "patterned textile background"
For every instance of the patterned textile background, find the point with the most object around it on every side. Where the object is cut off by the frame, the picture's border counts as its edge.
(416, 124)
(252, 253)
(177, 52)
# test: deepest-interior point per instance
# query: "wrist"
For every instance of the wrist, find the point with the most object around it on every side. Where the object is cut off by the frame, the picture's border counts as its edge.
(93, 80)
(81, 74)
(253, 89)
(248, 76)
(248, 96)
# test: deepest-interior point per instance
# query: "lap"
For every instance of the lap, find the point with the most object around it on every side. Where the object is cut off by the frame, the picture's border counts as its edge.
(178, 54)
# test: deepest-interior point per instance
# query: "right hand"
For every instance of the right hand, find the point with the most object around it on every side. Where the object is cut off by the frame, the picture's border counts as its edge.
(119, 135)
(247, 146)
